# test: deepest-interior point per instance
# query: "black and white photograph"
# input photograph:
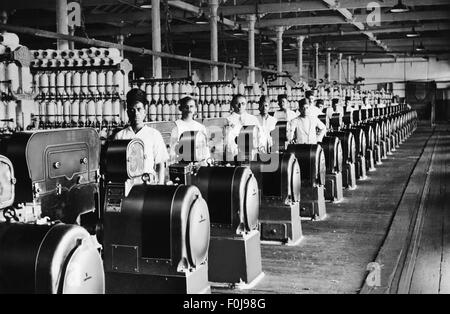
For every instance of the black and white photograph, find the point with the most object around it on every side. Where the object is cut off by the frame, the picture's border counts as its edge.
(224, 152)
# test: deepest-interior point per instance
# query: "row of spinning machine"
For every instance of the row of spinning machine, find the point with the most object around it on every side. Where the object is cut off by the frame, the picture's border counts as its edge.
(81, 226)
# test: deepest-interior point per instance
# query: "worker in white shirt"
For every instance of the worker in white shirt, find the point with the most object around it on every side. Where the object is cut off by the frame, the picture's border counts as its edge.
(307, 128)
(236, 120)
(267, 122)
(337, 108)
(284, 113)
(155, 149)
(316, 107)
(188, 108)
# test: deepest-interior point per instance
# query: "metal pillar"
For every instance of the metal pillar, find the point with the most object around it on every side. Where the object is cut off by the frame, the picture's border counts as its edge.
(329, 66)
(251, 47)
(316, 46)
(280, 31)
(62, 23)
(300, 40)
(340, 68)
(156, 38)
(214, 5)
(349, 61)
(120, 41)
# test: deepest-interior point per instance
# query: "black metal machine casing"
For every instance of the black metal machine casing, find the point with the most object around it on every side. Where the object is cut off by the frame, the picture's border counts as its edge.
(157, 241)
(348, 158)
(232, 195)
(7, 182)
(279, 182)
(333, 158)
(313, 171)
(47, 258)
(156, 237)
(57, 169)
(361, 151)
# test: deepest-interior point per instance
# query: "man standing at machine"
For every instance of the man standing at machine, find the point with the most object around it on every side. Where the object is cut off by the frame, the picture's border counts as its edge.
(267, 122)
(317, 107)
(155, 149)
(188, 108)
(307, 128)
(284, 113)
(337, 108)
(239, 118)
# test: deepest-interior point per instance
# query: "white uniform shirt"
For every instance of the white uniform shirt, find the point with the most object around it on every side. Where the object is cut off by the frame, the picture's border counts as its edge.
(268, 124)
(287, 115)
(316, 111)
(235, 123)
(306, 130)
(155, 149)
(181, 127)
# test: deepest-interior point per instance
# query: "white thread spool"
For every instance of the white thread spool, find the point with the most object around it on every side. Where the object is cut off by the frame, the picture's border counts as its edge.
(52, 83)
(9, 40)
(66, 111)
(75, 111)
(116, 109)
(109, 82)
(108, 111)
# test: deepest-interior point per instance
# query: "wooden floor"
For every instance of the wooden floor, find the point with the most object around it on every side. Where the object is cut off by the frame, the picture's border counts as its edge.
(425, 267)
(333, 256)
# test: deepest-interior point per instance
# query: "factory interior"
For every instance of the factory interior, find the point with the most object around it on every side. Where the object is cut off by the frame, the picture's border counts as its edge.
(224, 147)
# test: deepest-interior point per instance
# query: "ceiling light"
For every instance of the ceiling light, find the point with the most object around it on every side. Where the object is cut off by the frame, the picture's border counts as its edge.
(399, 8)
(238, 31)
(413, 33)
(420, 47)
(146, 5)
(202, 19)
(266, 41)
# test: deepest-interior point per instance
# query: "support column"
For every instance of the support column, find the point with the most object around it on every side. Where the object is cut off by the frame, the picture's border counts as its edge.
(62, 23)
(214, 5)
(329, 66)
(349, 61)
(280, 31)
(354, 69)
(120, 41)
(340, 68)
(300, 40)
(156, 38)
(251, 48)
(316, 46)
(71, 33)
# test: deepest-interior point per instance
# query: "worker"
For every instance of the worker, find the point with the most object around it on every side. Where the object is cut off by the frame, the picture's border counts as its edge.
(267, 122)
(307, 128)
(284, 113)
(155, 149)
(337, 108)
(316, 107)
(188, 108)
(236, 120)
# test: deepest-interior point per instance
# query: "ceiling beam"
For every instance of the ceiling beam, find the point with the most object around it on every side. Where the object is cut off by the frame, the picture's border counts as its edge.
(312, 6)
(274, 7)
(379, 30)
(385, 18)
(360, 26)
